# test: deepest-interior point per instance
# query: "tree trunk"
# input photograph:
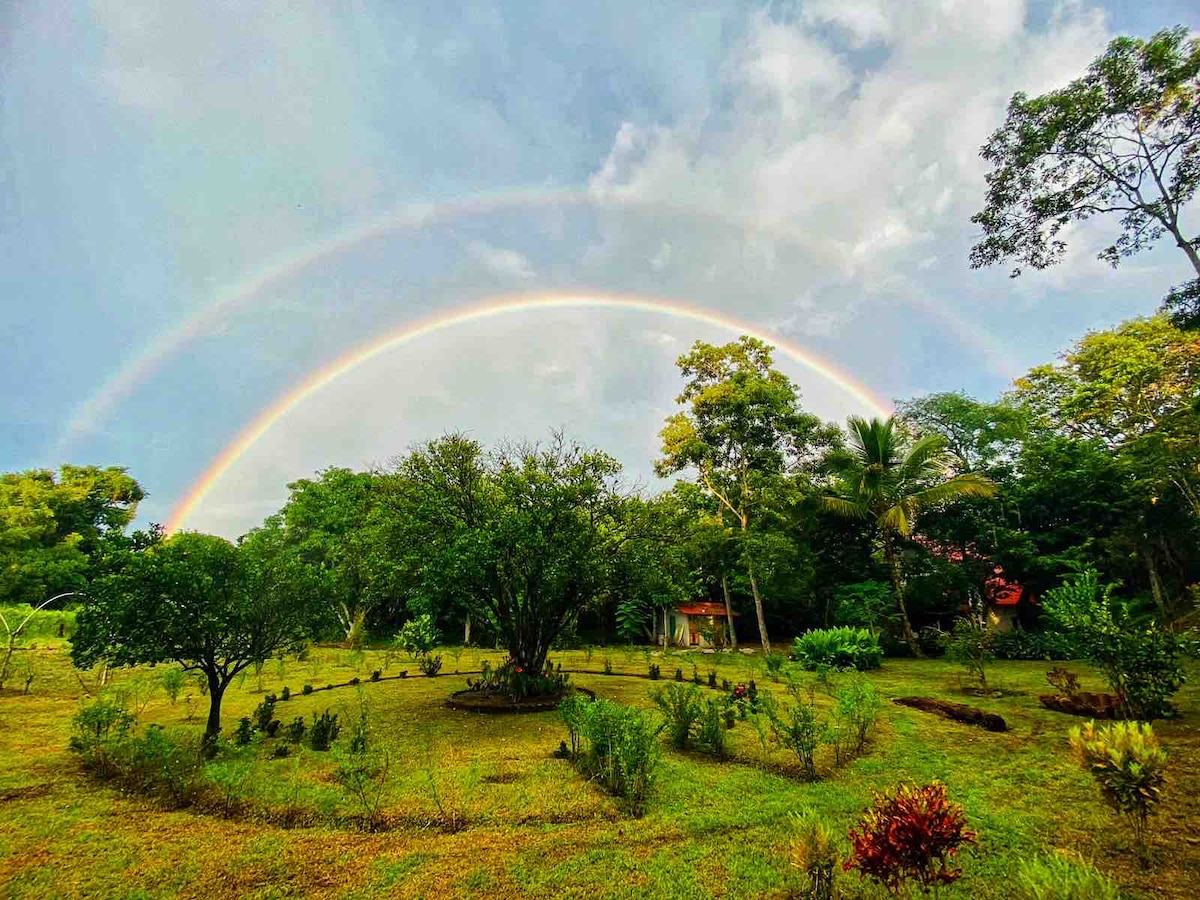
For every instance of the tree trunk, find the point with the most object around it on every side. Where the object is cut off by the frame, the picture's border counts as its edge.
(1156, 585)
(216, 690)
(758, 609)
(889, 551)
(467, 631)
(729, 612)
(1186, 246)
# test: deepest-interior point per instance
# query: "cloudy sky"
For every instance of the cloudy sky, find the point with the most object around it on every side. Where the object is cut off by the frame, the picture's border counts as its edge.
(202, 204)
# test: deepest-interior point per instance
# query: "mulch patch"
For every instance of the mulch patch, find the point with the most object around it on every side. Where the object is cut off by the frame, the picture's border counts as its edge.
(959, 712)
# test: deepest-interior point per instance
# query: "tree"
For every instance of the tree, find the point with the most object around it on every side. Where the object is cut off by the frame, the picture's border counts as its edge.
(1123, 140)
(53, 524)
(198, 600)
(886, 480)
(525, 537)
(978, 435)
(332, 522)
(744, 429)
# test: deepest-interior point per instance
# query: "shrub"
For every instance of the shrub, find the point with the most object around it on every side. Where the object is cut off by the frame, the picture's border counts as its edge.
(280, 751)
(430, 665)
(617, 746)
(324, 731)
(1055, 877)
(801, 730)
(286, 693)
(173, 679)
(264, 713)
(815, 854)
(970, 645)
(710, 728)
(273, 727)
(679, 674)
(356, 680)
(1128, 764)
(306, 690)
(376, 675)
(418, 636)
(774, 664)
(712, 678)
(655, 672)
(858, 706)
(513, 681)
(608, 669)
(1032, 645)
(98, 730)
(682, 708)
(1066, 681)
(159, 765)
(244, 733)
(294, 732)
(1141, 661)
(846, 647)
(912, 836)
(362, 770)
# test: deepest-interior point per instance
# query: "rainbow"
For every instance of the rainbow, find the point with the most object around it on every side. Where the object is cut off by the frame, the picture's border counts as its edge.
(270, 416)
(137, 368)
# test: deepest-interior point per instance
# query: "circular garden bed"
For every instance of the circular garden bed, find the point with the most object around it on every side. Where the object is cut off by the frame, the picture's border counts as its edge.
(500, 702)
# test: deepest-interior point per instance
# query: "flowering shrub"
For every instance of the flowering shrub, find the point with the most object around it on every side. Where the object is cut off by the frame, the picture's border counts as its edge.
(910, 837)
(513, 681)
(1128, 764)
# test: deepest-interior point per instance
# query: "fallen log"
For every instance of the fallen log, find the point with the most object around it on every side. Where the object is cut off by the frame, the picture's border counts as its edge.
(959, 712)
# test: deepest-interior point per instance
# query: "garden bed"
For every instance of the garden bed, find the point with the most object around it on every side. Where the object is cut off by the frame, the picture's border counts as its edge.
(500, 702)
(1084, 703)
(958, 712)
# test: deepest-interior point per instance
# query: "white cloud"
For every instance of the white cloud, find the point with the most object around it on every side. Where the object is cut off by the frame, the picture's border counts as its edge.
(501, 261)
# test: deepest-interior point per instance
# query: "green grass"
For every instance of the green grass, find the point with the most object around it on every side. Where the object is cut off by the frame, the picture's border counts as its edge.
(533, 825)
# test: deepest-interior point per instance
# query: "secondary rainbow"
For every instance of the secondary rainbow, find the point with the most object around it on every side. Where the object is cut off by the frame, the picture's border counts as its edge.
(411, 331)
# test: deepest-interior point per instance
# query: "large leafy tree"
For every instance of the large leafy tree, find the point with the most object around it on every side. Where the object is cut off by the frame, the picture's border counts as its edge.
(525, 537)
(1121, 141)
(198, 600)
(52, 525)
(742, 431)
(885, 479)
(979, 436)
(334, 524)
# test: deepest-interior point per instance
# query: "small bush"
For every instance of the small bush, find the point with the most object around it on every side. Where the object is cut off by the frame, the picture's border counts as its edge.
(99, 730)
(324, 731)
(159, 765)
(858, 706)
(774, 664)
(173, 680)
(912, 836)
(608, 669)
(712, 678)
(273, 728)
(1066, 681)
(306, 690)
(1034, 645)
(1055, 877)
(286, 693)
(800, 728)
(430, 665)
(846, 647)
(679, 674)
(355, 681)
(1128, 764)
(281, 750)
(615, 745)
(682, 707)
(655, 672)
(418, 636)
(264, 713)
(244, 733)
(970, 645)
(294, 732)
(815, 854)
(376, 675)
(710, 729)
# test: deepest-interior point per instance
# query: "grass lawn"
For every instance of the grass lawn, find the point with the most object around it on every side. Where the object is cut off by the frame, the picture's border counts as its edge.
(532, 826)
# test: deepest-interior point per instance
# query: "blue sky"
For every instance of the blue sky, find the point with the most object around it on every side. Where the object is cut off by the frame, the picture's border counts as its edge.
(809, 168)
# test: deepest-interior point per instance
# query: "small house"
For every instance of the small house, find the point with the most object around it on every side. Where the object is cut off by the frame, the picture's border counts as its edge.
(698, 624)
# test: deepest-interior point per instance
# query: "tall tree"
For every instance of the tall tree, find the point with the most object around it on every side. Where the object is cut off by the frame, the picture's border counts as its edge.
(886, 480)
(197, 600)
(526, 537)
(1123, 140)
(742, 431)
(978, 435)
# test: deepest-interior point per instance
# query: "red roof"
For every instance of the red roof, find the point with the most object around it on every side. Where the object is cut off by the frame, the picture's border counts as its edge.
(703, 608)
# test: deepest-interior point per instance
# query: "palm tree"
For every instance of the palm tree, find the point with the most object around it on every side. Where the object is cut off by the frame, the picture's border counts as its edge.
(887, 479)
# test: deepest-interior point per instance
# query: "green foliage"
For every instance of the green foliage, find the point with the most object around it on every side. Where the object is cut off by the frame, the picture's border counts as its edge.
(99, 729)
(615, 745)
(838, 648)
(418, 636)
(711, 728)
(306, 690)
(815, 853)
(800, 728)
(430, 664)
(682, 707)
(264, 713)
(857, 710)
(1059, 877)
(173, 679)
(655, 672)
(1128, 765)
(324, 731)
(866, 603)
(295, 729)
(970, 645)
(1045, 645)
(773, 663)
(1142, 662)
(244, 733)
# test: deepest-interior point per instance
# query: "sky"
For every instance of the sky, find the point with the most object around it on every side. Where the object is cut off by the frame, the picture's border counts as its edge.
(202, 204)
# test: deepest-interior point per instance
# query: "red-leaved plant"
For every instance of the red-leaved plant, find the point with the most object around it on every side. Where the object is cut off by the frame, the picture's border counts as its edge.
(910, 837)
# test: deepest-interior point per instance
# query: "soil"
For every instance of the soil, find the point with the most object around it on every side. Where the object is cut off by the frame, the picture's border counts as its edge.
(1084, 703)
(499, 702)
(959, 712)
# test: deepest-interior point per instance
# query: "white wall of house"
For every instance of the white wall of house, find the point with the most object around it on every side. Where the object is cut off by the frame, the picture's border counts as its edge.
(675, 629)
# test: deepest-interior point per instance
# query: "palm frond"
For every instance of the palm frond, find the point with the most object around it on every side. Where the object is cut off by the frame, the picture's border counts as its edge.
(969, 484)
(850, 509)
(897, 518)
(924, 458)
